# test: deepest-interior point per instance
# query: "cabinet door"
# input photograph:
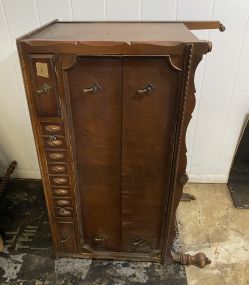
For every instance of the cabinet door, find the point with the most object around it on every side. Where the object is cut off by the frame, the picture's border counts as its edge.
(150, 97)
(95, 90)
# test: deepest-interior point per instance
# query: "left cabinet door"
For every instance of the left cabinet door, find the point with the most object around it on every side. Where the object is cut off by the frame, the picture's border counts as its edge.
(94, 92)
(44, 84)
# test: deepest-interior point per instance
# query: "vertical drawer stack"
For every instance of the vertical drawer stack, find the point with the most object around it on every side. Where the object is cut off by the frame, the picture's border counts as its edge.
(54, 151)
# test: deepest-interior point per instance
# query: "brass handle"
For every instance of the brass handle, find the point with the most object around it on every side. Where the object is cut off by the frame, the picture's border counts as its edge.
(53, 138)
(100, 238)
(64, 212)
(64, 240)
(45, 89)
(146, 90)
(94, 89)
(138, 242)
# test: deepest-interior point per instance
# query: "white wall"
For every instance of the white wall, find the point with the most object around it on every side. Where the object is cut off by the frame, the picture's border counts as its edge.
(222, 79)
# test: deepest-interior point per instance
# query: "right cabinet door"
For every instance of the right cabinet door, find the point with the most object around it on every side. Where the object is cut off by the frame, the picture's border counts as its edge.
(150, 101)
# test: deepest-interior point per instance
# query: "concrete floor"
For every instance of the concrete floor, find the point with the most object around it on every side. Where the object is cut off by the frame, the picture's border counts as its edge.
(213, 225)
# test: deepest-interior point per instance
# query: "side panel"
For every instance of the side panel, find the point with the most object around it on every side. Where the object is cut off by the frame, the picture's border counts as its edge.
(96, 118)
(148, 133)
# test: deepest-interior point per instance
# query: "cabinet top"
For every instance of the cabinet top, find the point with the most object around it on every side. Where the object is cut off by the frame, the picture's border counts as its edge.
(119, 31)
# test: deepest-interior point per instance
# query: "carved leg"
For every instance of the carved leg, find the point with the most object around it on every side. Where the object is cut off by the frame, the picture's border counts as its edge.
(186, 197)
(200, 260)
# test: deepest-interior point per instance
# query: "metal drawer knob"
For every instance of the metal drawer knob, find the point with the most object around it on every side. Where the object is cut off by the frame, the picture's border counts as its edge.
(54, 141)
(64, 212)
(94, 89)
(44, 89)
(146, 90)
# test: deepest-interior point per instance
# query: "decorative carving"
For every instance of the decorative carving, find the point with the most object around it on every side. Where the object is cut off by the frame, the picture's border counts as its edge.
(58, 168)
(56, 155)
(52, 128)
(200, 260)
(61, 192)
(63, 202)
(60, 180)
(64, 212)
(184, 179)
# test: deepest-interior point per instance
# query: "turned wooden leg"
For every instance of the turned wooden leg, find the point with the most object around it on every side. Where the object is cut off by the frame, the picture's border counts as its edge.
(200, 260)
(1, 244)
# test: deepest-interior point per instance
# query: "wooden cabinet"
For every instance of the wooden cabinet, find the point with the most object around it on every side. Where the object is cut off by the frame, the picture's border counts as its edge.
(109, 105)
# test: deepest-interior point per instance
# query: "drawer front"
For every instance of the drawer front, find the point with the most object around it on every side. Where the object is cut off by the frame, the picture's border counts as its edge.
(54, 142)
(67, 237)
(45, 85)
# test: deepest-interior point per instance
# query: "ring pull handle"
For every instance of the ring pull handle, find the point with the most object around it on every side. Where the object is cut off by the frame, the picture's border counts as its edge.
(146, 90)
(45, 89)
(94, 89)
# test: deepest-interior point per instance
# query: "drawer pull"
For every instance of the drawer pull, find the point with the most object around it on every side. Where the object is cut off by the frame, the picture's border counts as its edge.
(53, 141)
(100, 238)
(64, 212)
(52, 128)
(60, 180)
(138, 242)
(94, 89)
(58, 168)
(56, 155)
(45, 89)
(146, 90)
(64, 240)
(63, 202)
(61, 191)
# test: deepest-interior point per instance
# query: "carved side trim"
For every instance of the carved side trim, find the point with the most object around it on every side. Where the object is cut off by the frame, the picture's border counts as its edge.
(68, 61)
(184, 95)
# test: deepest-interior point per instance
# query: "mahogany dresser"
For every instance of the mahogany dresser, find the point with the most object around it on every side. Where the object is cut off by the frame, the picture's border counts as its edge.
(110, 104)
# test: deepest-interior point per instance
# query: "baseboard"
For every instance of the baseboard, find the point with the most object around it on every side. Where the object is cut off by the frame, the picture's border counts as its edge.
(208, 178)
(26, 174)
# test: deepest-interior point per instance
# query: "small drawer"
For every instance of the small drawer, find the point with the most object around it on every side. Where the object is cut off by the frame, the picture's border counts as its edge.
(63, 211)
(56, 156)
(59, 180)
(57, 169)
(52, 128)
(60, 192)
(62, 202)
(67, 238)
(44, 83)
(54, 141)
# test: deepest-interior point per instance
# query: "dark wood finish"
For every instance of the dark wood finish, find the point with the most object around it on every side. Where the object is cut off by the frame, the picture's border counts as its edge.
(110, 131)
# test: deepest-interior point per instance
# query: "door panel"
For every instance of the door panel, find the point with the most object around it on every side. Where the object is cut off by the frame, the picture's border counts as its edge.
(96, 115)
(148, 119)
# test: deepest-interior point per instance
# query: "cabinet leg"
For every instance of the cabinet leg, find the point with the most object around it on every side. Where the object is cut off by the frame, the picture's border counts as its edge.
(200, 260)
(186, 197)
